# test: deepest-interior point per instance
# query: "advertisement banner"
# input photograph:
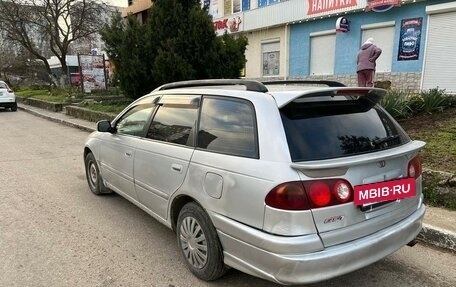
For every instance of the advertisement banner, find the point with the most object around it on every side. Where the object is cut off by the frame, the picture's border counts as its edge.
(93, 75)
(231, 24)
(409, 40)
(381, 5)
(320, 6)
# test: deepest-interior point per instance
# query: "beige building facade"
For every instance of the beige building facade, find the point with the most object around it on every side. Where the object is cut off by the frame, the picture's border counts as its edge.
(139, 8)
(272, 61)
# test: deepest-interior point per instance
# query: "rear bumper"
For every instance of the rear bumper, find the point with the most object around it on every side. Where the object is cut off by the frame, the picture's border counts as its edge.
(7, 101)
(303, 259)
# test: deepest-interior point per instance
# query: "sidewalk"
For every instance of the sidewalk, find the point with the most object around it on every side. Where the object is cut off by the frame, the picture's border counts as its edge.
(60, 117)
(439, 227)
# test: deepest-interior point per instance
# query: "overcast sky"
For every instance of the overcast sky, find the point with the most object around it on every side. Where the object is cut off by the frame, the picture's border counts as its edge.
(121, 3)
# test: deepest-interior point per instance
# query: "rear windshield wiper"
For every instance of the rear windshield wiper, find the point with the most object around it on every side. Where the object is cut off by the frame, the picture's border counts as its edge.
(383, 141)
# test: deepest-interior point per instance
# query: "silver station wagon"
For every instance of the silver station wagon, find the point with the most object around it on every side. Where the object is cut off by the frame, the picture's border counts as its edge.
(291, 181)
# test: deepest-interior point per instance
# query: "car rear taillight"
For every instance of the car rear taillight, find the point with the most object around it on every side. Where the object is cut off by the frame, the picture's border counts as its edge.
(288, 196)
(414, 167)
(10, 90)
(319, 193)
(343, 191)
(303, 195)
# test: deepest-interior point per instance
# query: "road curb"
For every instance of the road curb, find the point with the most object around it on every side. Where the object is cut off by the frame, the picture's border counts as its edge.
(57, 120)
(438, 237)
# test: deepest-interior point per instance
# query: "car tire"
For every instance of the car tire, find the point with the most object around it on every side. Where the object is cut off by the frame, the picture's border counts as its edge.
(199, 244)
(14, 107)
(93, 176)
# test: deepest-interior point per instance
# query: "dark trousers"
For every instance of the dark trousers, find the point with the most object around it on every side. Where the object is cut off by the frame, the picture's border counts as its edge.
(365, 78)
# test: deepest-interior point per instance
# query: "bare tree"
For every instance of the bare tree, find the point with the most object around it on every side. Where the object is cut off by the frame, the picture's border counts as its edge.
(6, 49)
(46, 27)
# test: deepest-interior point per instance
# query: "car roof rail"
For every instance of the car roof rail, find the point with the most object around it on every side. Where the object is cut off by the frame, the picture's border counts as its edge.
(312, 82)
(250, 85)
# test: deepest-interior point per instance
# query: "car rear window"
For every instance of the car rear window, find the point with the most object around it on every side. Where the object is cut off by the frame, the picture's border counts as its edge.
(337, 127)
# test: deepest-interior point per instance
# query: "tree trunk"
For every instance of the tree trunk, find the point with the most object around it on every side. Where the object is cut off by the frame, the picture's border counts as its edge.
(52, 78)
(63, 79)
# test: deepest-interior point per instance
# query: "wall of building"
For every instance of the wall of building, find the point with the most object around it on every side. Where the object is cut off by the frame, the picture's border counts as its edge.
(137, 7)
(253, 53)
(292, 22)
(348, 44)
(404, 74)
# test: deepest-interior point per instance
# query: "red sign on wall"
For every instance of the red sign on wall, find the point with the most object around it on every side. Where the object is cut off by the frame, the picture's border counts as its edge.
(230, 25)
(320, 6)
(382, 5)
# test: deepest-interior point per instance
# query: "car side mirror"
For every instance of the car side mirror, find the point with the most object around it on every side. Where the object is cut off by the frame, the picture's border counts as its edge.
(104, 126)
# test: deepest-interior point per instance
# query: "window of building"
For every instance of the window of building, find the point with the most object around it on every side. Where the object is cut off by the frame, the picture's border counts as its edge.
(239, 5)
(322, 53)
(134, 121)
(236, 6)
(270, 58)
(228, 126)
(383, 34)
(245, 5)
(228, 7)
(264, 3)
(174, 124)
(213, 8)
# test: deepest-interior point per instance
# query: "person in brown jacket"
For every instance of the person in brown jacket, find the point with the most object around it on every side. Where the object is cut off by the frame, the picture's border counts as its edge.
(367, 56)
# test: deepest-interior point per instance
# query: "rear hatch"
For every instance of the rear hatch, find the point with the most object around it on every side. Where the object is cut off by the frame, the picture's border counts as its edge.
(343, 134)
(3, 93)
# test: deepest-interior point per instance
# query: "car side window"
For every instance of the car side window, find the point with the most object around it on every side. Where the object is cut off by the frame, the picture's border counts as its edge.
(134, 121)
(174, 124)
(228, 126)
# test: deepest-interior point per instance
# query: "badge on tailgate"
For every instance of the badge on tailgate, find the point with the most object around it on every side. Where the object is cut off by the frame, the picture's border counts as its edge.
(384, 191)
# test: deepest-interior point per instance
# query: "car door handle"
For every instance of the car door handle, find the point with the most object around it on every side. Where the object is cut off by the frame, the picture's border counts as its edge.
(176, 167)
(128, 154)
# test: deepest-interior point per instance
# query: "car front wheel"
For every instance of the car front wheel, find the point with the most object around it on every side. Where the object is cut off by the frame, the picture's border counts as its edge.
(93, 176)
(199, 244)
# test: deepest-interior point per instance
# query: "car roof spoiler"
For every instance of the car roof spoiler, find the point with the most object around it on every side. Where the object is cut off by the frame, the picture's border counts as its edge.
(372, 95)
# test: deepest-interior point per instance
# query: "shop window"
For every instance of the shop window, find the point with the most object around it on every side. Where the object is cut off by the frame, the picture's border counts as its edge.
(271, 58)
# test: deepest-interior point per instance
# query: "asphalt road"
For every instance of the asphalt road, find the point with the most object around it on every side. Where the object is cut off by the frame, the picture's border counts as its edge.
(54, 232)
